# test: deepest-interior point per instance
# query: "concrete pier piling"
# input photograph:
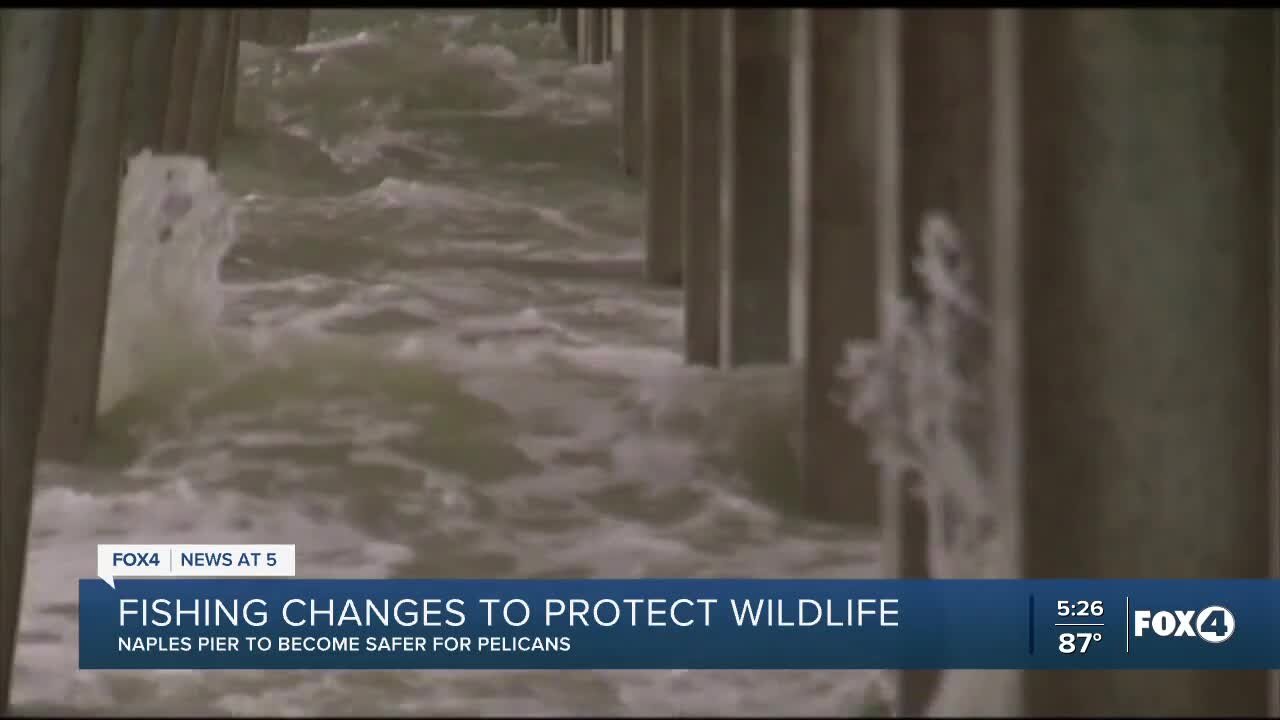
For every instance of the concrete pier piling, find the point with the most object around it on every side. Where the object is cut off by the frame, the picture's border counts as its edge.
(663, 145)
(629, 66)
(88, 234)
(1061, 145)
(149, 80)
(569, 28)
(755, 175)
(201, 82)
(252, 24)
(903, 523)
(944, 140)
(41, 61)
(606, 34)
(182, 73)
(616, 60)
(204, 130)
(279, 27)
(231, 74)
(585, 34)
(1130, 302)
(842, 213)
(701, 105)
(292, 26)
(80, 92)
(592, 32)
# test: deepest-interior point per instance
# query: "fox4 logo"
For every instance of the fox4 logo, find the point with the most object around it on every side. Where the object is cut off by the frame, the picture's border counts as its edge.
(1214, 624)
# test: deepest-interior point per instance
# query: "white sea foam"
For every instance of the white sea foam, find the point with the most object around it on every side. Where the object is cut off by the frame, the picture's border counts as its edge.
(175, 225)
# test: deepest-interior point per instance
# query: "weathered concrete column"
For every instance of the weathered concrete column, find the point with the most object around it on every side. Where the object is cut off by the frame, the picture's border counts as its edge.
(756, 175)
(1063, 145)
(877, 85)
(663, 145)
(204, 131)
(599, 44)
(1137, 225)
(628, 65)
(252, 23)
(231, 75)
(703, 32)
(615, 31)
(800, 81)
(941, 79)
(606, 34)
(842, 213)
(591, 32)
(584, 35)
(292, 26)
(149, 81)
(280, 27)
(88, 235)
(569, 28)
(182, 74)
(41, 59)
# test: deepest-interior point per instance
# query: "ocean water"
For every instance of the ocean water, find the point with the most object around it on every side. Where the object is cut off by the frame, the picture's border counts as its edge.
(404, 329)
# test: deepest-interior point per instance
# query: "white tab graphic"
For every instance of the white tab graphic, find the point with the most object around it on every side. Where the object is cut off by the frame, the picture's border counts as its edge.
(133, 561)
(194, 561)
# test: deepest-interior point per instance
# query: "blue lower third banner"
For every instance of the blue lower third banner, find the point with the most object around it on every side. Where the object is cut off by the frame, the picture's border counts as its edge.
(271, 624)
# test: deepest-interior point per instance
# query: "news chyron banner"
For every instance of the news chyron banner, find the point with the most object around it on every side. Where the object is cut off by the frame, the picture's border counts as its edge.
(239, 607)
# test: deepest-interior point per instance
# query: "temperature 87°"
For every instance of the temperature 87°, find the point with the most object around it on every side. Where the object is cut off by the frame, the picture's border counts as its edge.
(1071, 643)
